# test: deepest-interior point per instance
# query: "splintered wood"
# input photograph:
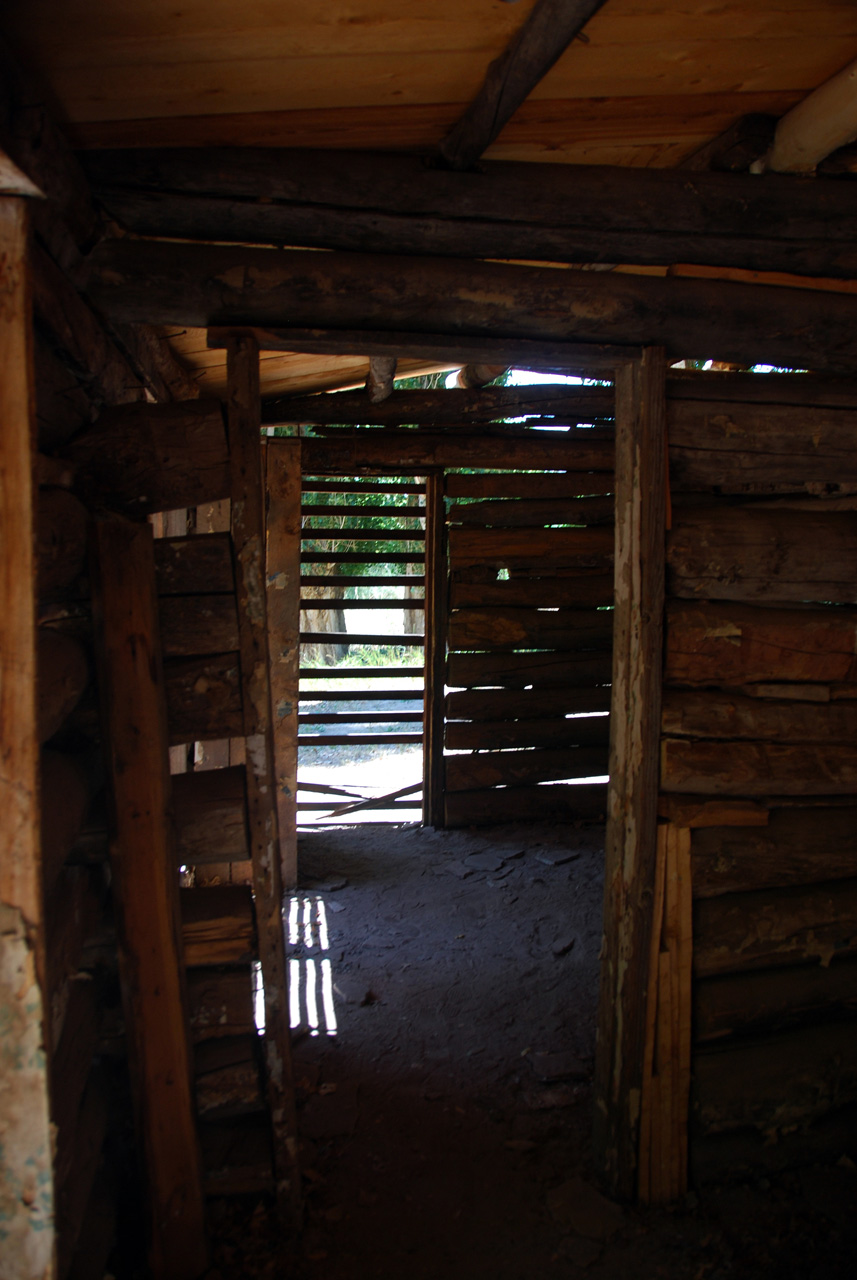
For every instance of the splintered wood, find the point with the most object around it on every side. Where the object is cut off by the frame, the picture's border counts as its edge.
(666, 1065)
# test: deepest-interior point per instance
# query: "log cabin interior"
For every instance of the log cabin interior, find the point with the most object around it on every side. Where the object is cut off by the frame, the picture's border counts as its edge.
(212, 215)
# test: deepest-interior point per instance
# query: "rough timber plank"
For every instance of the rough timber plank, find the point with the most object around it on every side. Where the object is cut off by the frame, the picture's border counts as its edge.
(282, 576)
(248, 539)
(632, 812)
(145, 881)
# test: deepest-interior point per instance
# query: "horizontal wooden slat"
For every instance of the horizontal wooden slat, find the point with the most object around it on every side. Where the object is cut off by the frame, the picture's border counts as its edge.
(729, 446)
(757, 768)
(310, 603)
(352, 637)
(765, 928)
(752, 554)
(326, 484)
(737, 644)
(776, 1083)
(227, 1078)
(445, 405)
(363, 717)
(360, 695)
(320, 533)
(704, 714)
(198, 624)
(579, 731)
(549, 485)
(210, 809)
(502, 768)
(200, 563)
(411, 451)
(796, 846)
(220, 1001)
(770, 999)
(237, 1156)
(530, 628)
(357, 739)
(521, 804)
(582, 592)
(822, 390)
(541, 548)
(203, 698)
(361, 673)
(534, 513)
(407, 511)
(523, 704)
(361, 557)
(334, 580)
(517, 670)
(218, 925)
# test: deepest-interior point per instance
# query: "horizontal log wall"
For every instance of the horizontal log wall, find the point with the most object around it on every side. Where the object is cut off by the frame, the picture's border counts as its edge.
(759, 724)
(530, 631)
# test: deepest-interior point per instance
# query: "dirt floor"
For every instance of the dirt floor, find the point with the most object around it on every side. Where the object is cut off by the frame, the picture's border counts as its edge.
(446, 1123)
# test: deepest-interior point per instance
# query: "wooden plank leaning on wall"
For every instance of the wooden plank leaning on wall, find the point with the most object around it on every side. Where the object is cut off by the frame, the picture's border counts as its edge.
(26, 1183)
(641, 502)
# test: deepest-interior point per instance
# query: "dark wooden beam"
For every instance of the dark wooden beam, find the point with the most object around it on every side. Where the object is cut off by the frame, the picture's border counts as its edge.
(213, 285)
(549, 29)
(736, 148)
(388, 203)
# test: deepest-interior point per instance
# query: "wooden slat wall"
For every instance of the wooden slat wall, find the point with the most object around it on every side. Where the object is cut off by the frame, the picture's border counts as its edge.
(530, 633)
(757, 751)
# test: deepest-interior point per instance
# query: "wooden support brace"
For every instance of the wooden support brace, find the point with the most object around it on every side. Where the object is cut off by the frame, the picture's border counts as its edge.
(248, 538)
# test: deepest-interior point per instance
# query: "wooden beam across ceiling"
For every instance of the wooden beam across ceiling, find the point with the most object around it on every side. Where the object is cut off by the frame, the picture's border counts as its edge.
(234, 286)
(549, 29)
(382, 203)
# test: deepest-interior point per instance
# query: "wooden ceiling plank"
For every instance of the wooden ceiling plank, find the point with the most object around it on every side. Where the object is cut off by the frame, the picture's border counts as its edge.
(550, 28)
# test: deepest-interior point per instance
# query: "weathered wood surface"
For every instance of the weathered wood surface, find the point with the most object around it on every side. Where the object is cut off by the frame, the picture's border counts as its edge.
(203, 698)
(796, 846)
(143, 458)
(703, 714)
(695, 812)
(60, 540)
(198, 624)
(226, 1076)
(518, 670)
(534, 514)
(451, 406)
(202, 563)
(546, 487)
(632, 807)
(744, 553)
(238, 1156)
(809, 389)
(72, 912)
(220, 1001)
(247, 491)
(527, 803)
(282, 575)
(75, 1195)
(66, 790)
(546, 33)
(211, 816)
(63, 674)
(735, 644)
(589, 591)
(757, 768)
(506, 768)
(62, 405)
(775, 1084)
(731, 446)
(765, 928)
(542, 548)
(735, 149)
(218, 925)
(71, 1065)
(145, 884)
(523, 704)
(770, 1000)
(581, 731)
(384, 203)
(411, 451)
(163, 283)
(530, 629)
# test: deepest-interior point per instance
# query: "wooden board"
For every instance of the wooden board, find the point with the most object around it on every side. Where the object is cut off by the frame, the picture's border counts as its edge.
(220, 1001)
(523, 704)
(587, 591)
(534, 513)
(203, 563)
(581, 731)
(518, 670)
(745, 389)
(630, 858)
(796, 846)
(751, 554)
(541, 548)
(548, 486)
(282, 575)
(703, 714)
(769, 1000)
(445, 406)
(218, 925)
(767, 928)
(415, 452)
(528, 803)
(735, 644)
(757, 768)
(203, 698)
(145, 891)
(211, 817)
(196, 625)
(505, 768)
(492, 629)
